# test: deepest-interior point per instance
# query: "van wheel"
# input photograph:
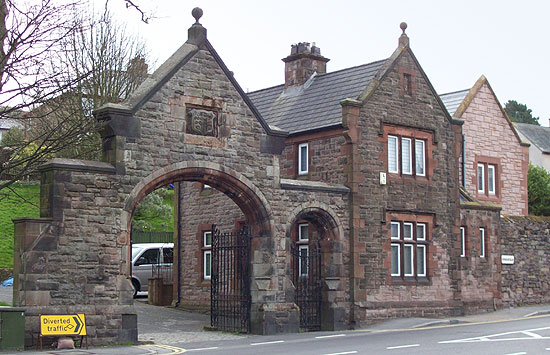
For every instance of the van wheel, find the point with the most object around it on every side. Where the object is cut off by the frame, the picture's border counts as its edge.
(135, 283)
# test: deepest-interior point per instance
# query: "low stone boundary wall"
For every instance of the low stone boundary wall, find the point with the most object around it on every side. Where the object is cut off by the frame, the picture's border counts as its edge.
(527, 280)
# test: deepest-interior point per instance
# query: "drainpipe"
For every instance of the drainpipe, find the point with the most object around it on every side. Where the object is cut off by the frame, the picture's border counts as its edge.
(463, 161)
(178, 236)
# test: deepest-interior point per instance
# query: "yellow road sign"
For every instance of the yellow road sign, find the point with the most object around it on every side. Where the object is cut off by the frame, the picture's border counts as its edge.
(70, 324)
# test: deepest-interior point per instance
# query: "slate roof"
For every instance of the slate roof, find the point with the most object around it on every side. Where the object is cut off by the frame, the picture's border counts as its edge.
(452, 100)
(316, 104)
(537, 135)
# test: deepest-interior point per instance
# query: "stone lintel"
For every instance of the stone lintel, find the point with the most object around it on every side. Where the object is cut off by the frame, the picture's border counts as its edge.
(78, 165)
(288, 184)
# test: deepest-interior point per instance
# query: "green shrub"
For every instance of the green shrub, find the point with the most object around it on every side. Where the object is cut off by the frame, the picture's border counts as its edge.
(539, 191)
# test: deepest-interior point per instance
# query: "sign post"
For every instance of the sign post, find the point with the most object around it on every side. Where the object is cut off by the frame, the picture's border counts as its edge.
(63, 325)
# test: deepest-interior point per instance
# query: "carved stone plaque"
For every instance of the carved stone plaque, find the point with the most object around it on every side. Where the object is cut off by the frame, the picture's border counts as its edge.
(201, 122)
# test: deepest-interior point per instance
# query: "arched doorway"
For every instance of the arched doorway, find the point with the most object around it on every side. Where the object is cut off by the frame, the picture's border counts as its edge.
(227, 260)
(316, 267)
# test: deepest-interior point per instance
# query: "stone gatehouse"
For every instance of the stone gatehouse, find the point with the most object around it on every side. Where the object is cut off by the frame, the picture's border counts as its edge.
(365, 159)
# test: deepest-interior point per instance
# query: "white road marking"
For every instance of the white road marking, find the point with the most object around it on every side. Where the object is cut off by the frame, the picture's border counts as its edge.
(269, 342)
(533, 335)
(344, 353)
(330, 336)
(531, 314)
(402, 346)
(529, 335)
(174, 350)
(201, 349)
(522, 353)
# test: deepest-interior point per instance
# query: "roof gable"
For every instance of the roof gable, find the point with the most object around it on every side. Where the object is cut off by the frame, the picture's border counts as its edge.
(197, 41)
(388, 67)
(469, 95)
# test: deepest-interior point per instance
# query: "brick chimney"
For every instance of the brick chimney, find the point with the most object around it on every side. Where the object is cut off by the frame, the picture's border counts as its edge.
(302, 62)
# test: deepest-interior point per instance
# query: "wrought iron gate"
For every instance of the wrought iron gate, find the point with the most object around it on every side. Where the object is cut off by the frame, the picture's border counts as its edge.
(306, 269)
(230, 281)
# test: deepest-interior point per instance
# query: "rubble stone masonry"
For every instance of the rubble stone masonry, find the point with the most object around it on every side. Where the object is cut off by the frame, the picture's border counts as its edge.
(527, 280)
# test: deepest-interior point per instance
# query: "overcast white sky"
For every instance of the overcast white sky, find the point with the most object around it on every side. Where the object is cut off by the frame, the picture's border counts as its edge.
(454, 41)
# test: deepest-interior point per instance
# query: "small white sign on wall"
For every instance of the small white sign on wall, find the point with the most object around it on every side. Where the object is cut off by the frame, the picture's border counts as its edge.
(382, 178)
(507, 259)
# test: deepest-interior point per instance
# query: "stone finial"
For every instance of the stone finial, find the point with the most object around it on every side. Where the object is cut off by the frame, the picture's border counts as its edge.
(197, 14)
(197, 33)
(403, 39)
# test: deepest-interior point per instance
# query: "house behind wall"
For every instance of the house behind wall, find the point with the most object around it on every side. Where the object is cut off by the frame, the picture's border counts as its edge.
(495, 160)
(343, 120)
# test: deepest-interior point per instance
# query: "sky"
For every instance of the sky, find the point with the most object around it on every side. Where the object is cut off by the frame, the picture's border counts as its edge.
(454, 41)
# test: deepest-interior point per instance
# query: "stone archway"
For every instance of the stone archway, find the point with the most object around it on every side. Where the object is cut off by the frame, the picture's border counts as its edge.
(247, 197)
(330, 233)
(233, 184)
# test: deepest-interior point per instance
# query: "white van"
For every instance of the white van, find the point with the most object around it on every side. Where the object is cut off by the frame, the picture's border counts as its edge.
(146, 259)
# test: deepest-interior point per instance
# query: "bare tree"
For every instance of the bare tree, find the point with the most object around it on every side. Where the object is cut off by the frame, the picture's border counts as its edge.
(30, 32)
(57, 64)
(108, 64)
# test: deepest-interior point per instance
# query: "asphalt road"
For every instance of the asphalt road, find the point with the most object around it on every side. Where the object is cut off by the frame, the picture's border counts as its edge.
(513, 337)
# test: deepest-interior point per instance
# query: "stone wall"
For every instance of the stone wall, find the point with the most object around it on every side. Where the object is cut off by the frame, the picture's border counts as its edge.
(326, 160)
(479, 277)
(490, 139)
(527, 281)
(200, 209)
(73, 260)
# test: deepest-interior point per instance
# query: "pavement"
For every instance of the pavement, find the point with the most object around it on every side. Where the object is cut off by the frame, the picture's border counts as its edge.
(158, 326)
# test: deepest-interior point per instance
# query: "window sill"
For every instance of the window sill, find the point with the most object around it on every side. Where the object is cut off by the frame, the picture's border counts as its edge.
(406, 177)
(410, 281)
(488, 198)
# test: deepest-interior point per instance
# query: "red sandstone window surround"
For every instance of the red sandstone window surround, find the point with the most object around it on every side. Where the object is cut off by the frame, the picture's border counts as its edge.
(409, 249)
(303, 249)
(463, 242)
(303, 159)
(482, 243)
(487, 178)
(408, 152)
(407, 82)
(207, 255)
